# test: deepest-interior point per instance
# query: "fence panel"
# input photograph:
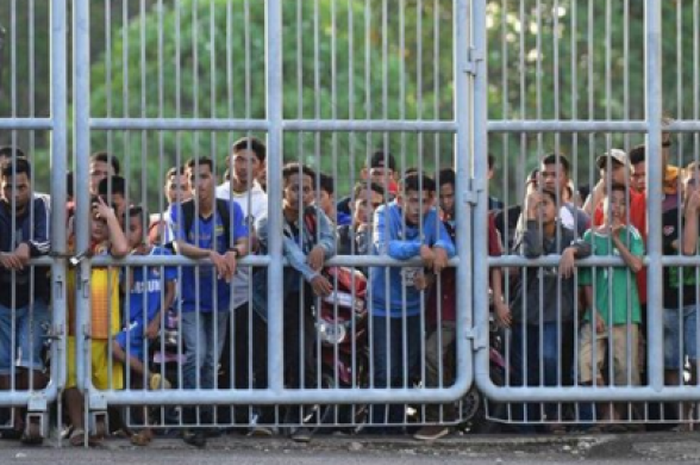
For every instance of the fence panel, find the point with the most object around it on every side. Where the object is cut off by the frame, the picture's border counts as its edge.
(363, 93)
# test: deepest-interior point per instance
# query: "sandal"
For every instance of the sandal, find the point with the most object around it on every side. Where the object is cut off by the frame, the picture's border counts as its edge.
(32, 434)
(77, 437)
(142, 438)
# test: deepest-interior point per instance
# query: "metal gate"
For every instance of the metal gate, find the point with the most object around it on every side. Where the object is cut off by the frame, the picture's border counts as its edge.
(16, 122)
(137, 127)
(576, 94)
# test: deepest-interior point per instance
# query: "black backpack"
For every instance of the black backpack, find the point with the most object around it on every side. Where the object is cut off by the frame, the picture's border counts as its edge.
(222, 208)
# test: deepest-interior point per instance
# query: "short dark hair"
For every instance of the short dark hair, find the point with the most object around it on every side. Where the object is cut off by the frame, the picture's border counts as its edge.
(554, 158)
(551, 194)
(638, 154)
(491, 161)
(105, 157)
(291, 169)
(251, 143)
(199, 161)
(360, 186)
(616, 186)
(418, 182)
(175, 171)
(12, 166)
(411, 170)
(382, 159)
(447, 176)
(9, 151)
(136, 211)
(326, 183)
(118, 186)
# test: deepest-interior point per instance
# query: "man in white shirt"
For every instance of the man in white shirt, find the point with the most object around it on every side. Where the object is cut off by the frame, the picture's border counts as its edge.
(247, 161)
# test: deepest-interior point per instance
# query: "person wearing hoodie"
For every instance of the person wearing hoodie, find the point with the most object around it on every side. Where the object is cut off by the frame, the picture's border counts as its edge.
(409, 227)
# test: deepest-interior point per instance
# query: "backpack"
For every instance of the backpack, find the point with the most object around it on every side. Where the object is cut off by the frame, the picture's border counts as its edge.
(222, 208)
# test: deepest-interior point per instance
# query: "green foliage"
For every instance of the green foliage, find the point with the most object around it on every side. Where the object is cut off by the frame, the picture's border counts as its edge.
(192, 59)
(201, 65)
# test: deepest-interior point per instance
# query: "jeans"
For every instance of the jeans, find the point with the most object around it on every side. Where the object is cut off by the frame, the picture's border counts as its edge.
(199, 332)
(31, 326)
(440, 351)
(388, 360)
(528, 366)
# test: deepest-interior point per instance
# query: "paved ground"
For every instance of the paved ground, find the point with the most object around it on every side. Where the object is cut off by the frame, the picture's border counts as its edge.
(524, 450)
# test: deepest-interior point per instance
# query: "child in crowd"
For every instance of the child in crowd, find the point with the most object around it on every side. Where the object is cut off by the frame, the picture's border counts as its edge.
(107, 238)
(144, 288)
(613, 311)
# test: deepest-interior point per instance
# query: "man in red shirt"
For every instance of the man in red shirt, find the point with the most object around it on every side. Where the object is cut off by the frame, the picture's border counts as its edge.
(614, 168)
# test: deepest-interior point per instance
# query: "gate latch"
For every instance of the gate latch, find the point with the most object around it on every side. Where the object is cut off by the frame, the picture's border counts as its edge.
(477, 337)
(471, 196)
(474, 56)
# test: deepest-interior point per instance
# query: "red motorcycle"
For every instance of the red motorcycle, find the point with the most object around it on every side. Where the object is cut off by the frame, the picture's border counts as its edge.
(341, 328)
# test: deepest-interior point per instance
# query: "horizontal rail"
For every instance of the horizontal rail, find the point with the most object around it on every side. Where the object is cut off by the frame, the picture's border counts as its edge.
(567, 126)
(553, 260)
(250, 260)
(285, 396)
(369, 125)
(178, 124)
(26, 123)
(214, 124)
(219, 124)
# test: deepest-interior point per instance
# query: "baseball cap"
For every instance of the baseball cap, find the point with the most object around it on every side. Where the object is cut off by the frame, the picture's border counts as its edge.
(617, 155)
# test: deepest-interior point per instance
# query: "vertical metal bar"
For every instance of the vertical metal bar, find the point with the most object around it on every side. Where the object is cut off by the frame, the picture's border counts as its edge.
(654, 111)
(108, 68)
(81, 138)
(463, 144)
(59, 167)
(274, 83)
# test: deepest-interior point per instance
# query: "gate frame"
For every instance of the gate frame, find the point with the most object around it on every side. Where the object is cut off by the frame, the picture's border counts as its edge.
(465, 62)
(652, 126)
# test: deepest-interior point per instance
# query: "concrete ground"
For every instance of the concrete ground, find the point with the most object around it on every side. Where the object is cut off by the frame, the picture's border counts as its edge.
(370, 450)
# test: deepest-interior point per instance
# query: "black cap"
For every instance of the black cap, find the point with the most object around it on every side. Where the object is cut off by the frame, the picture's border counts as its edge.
(381, 159)
(9, 151)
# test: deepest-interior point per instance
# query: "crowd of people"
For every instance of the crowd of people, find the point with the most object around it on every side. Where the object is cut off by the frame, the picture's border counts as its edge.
(563, 325)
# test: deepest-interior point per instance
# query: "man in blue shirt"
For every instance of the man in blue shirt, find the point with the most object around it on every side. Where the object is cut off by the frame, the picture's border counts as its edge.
(406, 228)
(206, 295)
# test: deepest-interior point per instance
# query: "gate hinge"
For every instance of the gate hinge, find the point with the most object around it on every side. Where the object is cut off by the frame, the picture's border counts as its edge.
(474, 56)
(476, 186)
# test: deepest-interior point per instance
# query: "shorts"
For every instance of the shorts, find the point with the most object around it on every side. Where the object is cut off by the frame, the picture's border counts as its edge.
(32, 324)
(102, 377)
(590, 369)
(675, 348)
(131, 340)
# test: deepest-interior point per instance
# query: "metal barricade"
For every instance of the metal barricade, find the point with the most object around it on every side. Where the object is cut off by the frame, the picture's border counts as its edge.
(577, 98)
(152, 99)
(33, 326)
